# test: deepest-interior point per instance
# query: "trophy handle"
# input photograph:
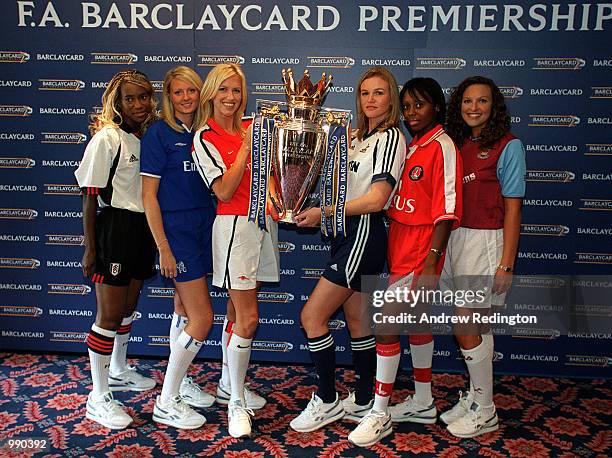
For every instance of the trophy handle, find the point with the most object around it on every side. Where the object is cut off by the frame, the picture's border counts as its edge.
(275, 198)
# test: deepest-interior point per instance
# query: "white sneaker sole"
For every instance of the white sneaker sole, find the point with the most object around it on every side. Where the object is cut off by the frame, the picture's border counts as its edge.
(382, 435)
(481, 431)
(174, 424)
(336, 417)
(238, 436)
(113, 387)
(105, 423)
(421, 420)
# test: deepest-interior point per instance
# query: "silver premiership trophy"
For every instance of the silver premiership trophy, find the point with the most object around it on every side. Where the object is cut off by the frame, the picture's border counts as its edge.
(293, 143)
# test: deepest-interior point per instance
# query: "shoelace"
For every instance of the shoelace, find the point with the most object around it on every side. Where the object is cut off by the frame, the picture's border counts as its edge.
(313, 406)
(372, 418)
(111, 404)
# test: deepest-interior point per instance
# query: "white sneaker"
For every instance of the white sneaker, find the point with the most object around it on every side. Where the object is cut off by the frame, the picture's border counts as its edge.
(317, 414)
(411, 411)
(193, 395)
(354, 411)
(177, 413)
(239, 420)
(129, 380)
(107, 411)
(372, 428)
(474, 423)
(253, 400)
(459, 409)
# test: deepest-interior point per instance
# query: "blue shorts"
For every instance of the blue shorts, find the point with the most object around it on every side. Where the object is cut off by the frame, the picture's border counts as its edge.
(189, 234)
(362, 251)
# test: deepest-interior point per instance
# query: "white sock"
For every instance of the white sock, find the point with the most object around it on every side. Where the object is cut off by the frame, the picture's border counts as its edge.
(480, 367)
(227, 329)
(100, 344)
(487, 339)
(178, 324)
(181, 356)
(118, 362)
(422, 356)
(387, 362)
(238, 355)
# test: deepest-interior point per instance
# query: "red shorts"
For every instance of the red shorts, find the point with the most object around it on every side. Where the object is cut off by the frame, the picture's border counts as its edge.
(408, 249)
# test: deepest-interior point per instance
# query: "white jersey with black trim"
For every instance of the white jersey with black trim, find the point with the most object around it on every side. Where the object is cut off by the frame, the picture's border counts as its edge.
(379, 156)
(95, 168)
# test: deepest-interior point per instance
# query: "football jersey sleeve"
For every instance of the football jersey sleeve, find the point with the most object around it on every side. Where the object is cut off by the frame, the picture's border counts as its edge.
(390, 156)
(511, 169)
(207, 159)
(153, 156)
(446, 184)
(94, 170)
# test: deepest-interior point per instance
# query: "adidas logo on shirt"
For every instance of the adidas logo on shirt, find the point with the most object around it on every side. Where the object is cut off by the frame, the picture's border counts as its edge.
(133, 158)
(334, 267)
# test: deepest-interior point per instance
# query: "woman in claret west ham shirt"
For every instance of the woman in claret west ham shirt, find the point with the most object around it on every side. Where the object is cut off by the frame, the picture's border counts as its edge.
(426, 207)
(482, 251)
(243, 254)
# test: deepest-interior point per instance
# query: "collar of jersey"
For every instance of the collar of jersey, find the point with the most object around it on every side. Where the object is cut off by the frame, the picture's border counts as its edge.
(217, 128)
(182, 124)
(428, 137)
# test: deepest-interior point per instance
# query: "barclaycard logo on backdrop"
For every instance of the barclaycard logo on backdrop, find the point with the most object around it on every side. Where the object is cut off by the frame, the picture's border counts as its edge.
(113, 58)
(556, 92)
(558, 63)
(555, 230)
(440, 63)
(548, 202)
(22, 334)
(553, 176)
(19, 263)
(602, 62)
(60, 163)
(588, 360)
(275, 60)
(386, 63)
(64, 264)
(335, 325)
(67, 336)
(159, 316)
(158, 86)
(599, 149)
(18, 57)
(71, 138)
(535, 333)
(63, 214)
(330, 62)
(18, 187)
(218, 318)
(210, 60)
(597, 176)
(68, 288)
(64, 239)
(602, 310)
(20, 310)
(499, 63)
(286, 247)
(99, 84)
(269, 345)
(268, 88)
(542, 255)
(20, 238)
(553, 120)
(60, 57)
(589, 335)
(595, 204)
(607, 231)
(601, 92)
(542, 148)
(15, 83)
(62, 189)
(511, 92)
(155, 291)
(171, 59)
(62, 111)
(47, 84)
(532, 357)
(17, 163)
(272, 296)
(523, 281)
(163, 341)
(70, 312)
(593, 258)
(18, 213)
(15, 110)
(312, 273)
(16, 136)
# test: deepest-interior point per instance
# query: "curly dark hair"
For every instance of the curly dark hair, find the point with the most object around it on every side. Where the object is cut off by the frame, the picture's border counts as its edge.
(498, 124)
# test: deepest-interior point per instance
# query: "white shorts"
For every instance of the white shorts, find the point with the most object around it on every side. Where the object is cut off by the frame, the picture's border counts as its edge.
(472, 257)
(243, 254)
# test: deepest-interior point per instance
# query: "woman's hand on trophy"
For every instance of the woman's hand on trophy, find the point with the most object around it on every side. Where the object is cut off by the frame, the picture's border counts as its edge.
(309, 218)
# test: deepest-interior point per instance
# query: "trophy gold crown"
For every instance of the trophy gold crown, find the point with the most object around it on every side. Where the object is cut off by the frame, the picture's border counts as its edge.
(304, 92)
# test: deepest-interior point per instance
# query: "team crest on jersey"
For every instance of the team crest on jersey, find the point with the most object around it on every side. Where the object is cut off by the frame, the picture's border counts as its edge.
(416, 173)
(115, 268)
(483, 154)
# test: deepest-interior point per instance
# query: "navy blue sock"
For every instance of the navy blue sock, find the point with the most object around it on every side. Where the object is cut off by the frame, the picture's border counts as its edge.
(364, 360)
(323, 354)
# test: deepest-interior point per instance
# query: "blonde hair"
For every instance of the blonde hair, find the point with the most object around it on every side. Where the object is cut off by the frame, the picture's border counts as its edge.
(111, 101)
(186, 75)
(210, 88)
(393, 116)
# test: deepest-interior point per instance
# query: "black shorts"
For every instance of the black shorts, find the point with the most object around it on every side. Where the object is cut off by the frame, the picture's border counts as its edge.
(125, 248)
(362, 251)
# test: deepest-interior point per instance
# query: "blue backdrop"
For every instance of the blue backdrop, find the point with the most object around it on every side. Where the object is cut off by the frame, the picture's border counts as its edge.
(553, 63)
